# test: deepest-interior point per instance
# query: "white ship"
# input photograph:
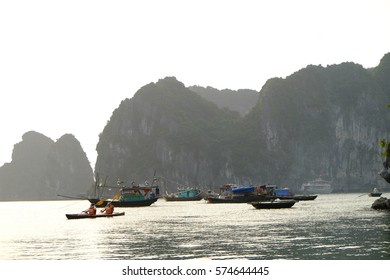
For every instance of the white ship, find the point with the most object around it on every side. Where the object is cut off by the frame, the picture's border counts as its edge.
(318, 186)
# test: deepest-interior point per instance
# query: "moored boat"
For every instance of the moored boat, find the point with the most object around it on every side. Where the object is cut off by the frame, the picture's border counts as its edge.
(317, 186)
(375, 193)
(132, 202)
(273, 204)
(185, 194)
(275, 192)
(300, 197)
(87, 216)
(230, 193)
(236, 199)
(131, 196)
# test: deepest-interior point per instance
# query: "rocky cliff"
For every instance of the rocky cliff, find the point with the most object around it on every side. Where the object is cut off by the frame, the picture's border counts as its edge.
(319, 120)
(41, 169)
(169, 129)
(323, 120)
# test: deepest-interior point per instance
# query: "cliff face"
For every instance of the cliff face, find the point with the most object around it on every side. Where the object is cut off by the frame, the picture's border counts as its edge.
(324, 120)
(68, 169)
(166, 128)
(41, 168)
(320, 120)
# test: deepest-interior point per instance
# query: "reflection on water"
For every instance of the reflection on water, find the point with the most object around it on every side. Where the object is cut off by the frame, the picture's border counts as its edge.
(337, 226)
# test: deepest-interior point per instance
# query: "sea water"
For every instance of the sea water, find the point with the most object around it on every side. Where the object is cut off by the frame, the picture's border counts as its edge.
(331, 227)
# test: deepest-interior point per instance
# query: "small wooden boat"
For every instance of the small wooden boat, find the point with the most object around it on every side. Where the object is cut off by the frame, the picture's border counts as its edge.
(87, 216)
(375, 193)
(273, 204)
(297, 197)
(185, 194)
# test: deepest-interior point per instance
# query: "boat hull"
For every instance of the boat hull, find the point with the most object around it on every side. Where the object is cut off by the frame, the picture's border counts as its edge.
(375, 194)
(273, 204)
(117, 203)
(297, 197)
(173, 198)
(86, 216)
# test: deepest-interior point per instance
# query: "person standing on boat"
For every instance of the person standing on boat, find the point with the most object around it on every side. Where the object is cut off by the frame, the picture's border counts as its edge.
(109, 209)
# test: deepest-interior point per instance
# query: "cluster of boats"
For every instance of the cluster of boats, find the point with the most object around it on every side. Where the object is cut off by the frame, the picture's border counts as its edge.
(260, 197)
(136, 196)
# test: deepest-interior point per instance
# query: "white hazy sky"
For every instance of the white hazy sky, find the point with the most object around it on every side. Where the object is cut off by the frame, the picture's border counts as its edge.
(66, 65)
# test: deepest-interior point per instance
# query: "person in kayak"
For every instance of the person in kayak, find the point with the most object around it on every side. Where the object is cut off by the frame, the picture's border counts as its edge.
(91, 210)
(109, 209)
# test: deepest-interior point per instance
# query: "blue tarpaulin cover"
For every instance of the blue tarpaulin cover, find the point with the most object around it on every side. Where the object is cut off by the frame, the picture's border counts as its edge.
(243, 189)
(282, 192)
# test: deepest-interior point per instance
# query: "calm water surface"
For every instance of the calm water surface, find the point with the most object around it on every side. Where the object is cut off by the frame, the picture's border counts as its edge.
(334, 226)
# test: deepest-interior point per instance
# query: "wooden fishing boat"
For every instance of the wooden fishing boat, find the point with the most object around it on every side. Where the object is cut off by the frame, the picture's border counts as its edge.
(130, 196)
(87, 216)
(120, 202)
(185, 194)
(274, 192)
(230, 193)
(234, 199)
(273, 204)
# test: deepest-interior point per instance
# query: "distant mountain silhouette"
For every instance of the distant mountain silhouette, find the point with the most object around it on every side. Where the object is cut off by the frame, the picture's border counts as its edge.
(241, 101)
(41, 168)
(318, 120)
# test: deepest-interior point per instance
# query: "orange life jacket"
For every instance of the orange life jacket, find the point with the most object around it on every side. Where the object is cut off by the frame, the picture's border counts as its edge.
(92, 211)
(109, 209)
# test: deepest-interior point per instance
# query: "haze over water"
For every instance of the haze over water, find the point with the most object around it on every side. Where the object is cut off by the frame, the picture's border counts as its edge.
(332, 227)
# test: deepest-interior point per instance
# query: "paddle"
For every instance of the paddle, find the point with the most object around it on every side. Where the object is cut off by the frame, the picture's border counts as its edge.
(100, 202)
(362, 195)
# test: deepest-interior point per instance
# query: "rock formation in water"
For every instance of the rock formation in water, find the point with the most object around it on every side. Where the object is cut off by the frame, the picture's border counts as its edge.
(323, 120)
(41, 169)
(382, 73)
(169, 129)
(381, 203)
(319, 120)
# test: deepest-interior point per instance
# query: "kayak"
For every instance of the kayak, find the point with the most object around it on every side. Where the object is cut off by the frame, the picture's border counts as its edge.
(273, 204)
(86, 216)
